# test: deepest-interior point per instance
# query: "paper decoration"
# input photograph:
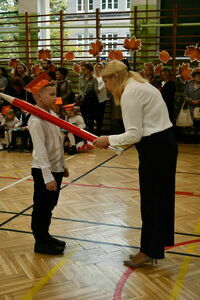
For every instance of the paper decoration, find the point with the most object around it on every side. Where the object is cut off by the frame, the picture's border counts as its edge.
(44, 54)
(69, 56)
(96, 48)
(184, 72)
(115, 54)
(132, 44)
(193, 52)
(76, 68)
(164, 56)
(158, 68)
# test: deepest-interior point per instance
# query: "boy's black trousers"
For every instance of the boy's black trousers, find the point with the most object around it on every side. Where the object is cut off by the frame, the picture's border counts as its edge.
(44, 202)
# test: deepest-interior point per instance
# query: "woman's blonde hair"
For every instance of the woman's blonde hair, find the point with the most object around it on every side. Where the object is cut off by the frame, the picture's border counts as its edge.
(120, 70)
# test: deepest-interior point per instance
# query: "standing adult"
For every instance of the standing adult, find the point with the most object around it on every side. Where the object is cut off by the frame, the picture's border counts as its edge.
(49, 68)
(147, 125)
(21, 71)
(89, 103)
(192, 98)
(3, 79)
(64, 86)
(168, 90)
(102, 97)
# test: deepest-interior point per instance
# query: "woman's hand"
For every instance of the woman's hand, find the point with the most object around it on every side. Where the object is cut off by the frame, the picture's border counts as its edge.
(101, 142)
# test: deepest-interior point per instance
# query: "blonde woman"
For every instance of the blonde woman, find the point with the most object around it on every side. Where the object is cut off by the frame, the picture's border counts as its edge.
(147, 125)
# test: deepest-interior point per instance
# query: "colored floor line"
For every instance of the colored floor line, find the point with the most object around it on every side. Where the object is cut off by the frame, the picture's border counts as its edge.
(106, 187)
(37, 287)
(120, 285)
(183, 269)
(107, 243)
(14, 183)
(126, 168)
(97, 223)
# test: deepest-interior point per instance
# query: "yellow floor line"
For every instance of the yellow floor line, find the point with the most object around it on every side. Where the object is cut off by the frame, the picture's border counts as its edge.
(49, 275)
(184, 267)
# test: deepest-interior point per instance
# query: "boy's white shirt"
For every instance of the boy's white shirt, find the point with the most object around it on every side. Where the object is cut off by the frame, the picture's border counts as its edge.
(48, 152)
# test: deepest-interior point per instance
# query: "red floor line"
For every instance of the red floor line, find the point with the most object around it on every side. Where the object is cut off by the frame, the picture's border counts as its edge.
(108, 187)
(119, 287)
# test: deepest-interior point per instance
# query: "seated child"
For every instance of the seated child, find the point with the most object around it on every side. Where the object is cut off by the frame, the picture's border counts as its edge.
(21, 130)
(9, 121)
(77, 143)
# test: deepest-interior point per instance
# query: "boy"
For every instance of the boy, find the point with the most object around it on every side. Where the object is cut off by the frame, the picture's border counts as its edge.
(47, 167)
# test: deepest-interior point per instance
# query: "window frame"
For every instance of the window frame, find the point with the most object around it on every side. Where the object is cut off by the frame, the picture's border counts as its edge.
(106, 5)
(82, 6)
(89, 5)
(109, 44)
(128, 8)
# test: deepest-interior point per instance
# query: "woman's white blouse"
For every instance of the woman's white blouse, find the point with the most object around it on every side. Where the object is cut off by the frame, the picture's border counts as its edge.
(144, 112)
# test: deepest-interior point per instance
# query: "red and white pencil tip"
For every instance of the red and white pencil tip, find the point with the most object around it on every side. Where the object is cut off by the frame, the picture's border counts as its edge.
(7, 97)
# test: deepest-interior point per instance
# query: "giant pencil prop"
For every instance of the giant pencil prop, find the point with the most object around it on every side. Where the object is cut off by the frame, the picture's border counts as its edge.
(54, 120)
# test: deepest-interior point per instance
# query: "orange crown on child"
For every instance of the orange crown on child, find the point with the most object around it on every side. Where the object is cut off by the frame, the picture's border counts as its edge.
(35, 85)
(5, 109)
(69, 106)
(58, 101)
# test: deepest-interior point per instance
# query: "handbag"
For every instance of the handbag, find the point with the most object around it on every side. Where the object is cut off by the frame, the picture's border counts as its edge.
(184, 118)
(197, 113)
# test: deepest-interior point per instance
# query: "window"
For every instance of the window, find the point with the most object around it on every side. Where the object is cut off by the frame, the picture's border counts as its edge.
(90, 5)
(128, 4)
(109, 41)
(80, 43)
(80, 5)
(109, 4)
(83, 43)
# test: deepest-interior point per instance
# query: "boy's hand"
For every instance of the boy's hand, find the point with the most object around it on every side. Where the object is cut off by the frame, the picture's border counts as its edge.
(51, 186)
(66, 172)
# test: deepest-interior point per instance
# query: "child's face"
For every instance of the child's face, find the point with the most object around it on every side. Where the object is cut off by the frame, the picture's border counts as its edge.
(46, 98)
(10, 116)
(70, 113)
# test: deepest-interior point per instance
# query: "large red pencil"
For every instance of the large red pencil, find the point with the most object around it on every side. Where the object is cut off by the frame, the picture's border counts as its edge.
(52, 119)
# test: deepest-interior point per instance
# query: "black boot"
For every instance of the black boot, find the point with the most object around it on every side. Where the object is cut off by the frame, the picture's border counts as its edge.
(72, 150)
(47, 248)
(56, 242)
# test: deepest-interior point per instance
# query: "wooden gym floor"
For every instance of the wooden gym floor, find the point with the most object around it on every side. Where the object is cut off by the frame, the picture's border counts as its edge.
(98, 216)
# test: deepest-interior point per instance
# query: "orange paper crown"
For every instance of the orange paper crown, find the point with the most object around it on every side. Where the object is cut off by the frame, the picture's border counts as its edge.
(35, 85)
(5, 109)
(59, 100)
(69, 106)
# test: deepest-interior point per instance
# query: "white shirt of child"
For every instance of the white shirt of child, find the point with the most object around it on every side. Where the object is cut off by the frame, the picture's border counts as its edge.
(144, 112)
(10, 123)
(48, 152)
(77, 121)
